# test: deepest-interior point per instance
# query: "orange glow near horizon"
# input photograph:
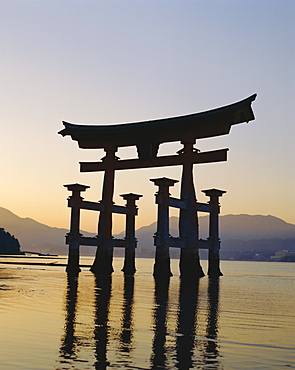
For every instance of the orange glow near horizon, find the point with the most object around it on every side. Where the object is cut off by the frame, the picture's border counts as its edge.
(162, 71)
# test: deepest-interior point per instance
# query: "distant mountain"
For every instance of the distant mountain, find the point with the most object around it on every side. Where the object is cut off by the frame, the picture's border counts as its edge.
(248, 227)
(255, 234)
(34, 236)
(238, 233)
(242, 227)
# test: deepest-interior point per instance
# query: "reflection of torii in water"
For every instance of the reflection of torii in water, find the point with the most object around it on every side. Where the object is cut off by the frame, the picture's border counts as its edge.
(147, 136)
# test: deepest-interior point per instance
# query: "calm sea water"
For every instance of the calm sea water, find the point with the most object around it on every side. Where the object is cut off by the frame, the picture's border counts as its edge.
(244, 321)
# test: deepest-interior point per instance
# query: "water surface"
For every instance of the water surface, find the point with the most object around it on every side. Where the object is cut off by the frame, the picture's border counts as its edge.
(244, 320)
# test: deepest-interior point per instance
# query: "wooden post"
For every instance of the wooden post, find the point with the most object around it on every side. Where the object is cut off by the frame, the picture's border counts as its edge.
(162, 258)
(129, 262)
(213, 257)
(73, 236)
(189, 265)
(103, 263)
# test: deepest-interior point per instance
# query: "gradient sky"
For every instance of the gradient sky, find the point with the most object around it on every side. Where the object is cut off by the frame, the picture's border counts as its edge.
(103, 62)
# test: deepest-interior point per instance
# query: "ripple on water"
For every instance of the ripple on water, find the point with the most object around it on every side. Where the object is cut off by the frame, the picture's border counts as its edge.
(242, 322)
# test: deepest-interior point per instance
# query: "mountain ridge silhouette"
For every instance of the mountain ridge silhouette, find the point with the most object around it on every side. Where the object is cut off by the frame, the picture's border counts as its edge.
(37, 237)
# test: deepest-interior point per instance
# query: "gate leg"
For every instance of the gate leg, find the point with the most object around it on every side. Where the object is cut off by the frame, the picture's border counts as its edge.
(129, 261)
(162, 258)
(213, 256)
(73, 237)
(103, 263)
(190, 267)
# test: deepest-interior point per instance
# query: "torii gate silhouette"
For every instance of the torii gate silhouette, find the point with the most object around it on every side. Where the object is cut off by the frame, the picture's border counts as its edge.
(147, 137)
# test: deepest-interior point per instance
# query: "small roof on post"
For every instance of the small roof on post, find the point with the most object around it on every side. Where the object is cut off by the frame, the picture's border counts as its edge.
(164, 181)
(214, 192)
(148, 135)
(76, 187)
(131, 196)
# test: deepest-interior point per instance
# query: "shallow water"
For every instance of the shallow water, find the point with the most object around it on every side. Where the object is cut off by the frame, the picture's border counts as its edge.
(244, 321)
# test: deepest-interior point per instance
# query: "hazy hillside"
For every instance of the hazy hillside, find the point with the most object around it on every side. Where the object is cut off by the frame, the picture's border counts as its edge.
(34, 236)
(238, 232)
(242, 236)
(247, 227)
(232, 227)
(242, 227)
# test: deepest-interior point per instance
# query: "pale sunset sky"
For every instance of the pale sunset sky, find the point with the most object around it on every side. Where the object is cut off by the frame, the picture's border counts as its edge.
(104, 62)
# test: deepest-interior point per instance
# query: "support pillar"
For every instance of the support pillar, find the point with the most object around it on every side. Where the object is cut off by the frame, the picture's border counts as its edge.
(73, 236)
(189, 264)
(103, 263)
(162, 258)
(213, 257)
(129, 262)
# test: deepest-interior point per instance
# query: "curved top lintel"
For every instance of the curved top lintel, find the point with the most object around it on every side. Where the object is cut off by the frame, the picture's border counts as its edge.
(147, 135)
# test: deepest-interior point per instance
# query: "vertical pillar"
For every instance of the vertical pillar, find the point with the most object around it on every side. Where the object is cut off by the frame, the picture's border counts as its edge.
(73, 236)
(214, 261)
(189, 265)
(129, 262)
(103, 263)
(162, 259)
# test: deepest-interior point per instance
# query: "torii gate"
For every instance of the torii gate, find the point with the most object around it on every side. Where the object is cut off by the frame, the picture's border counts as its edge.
(147, 136)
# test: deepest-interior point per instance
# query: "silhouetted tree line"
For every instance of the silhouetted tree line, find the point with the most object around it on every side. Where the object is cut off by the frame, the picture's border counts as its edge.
(8, 243)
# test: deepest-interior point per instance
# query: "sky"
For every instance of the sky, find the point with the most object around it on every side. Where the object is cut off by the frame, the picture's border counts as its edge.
(105, 62)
